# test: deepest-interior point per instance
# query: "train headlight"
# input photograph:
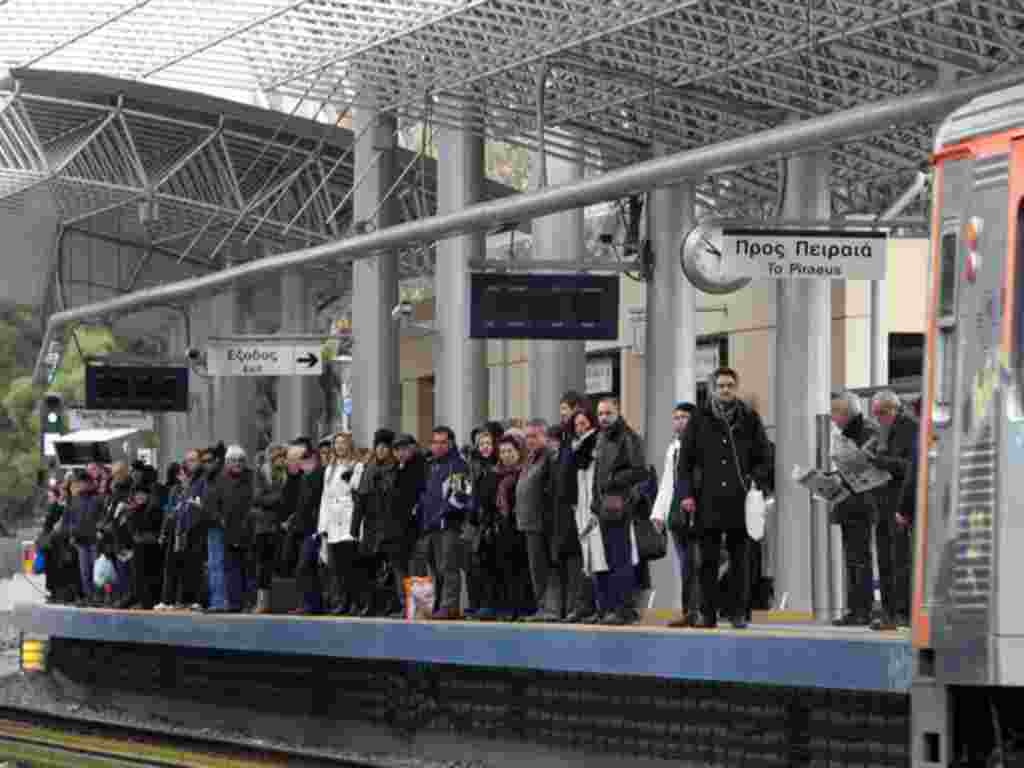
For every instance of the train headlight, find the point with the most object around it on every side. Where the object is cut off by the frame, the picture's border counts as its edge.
(972, 265)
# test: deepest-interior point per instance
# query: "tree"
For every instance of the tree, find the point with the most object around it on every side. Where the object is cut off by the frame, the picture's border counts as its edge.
(20, 455)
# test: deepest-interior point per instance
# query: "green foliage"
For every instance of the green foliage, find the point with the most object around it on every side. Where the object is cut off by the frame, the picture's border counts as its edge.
(507, 163)
(20, 459)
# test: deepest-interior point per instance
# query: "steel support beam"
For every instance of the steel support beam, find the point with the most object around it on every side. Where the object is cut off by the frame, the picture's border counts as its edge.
(695, 163)
(376, 386)
(670, 356)
(462, 392)
(802, 386)
(556, 366)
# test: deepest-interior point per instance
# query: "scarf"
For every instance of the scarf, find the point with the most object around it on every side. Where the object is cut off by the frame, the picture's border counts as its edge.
(727, 412)
(583, 450)
(506, 497)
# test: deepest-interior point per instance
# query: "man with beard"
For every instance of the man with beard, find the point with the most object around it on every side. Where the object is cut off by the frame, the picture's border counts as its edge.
(896, 453)
(726, 441)
(618, 468)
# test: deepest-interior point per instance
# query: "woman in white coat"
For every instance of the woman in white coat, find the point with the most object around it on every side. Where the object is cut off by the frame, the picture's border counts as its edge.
(591, 542)
(337, 507)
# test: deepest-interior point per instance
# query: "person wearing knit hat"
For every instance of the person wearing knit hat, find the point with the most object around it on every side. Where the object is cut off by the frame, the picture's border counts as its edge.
(226, 509)
(383, 436)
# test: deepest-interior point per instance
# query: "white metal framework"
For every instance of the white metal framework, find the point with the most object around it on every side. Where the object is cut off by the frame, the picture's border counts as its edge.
(202, 180)
(624, 73)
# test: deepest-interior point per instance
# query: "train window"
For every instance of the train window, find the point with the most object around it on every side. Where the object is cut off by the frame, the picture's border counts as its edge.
(947, 285)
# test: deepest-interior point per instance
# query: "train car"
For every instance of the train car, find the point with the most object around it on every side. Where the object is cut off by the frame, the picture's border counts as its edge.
(968, 618)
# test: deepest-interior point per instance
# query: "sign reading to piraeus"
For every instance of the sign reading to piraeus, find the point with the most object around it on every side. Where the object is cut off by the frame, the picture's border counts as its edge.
(791, 254)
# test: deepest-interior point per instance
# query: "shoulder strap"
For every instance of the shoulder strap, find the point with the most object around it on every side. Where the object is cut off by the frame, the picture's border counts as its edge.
(736, 457)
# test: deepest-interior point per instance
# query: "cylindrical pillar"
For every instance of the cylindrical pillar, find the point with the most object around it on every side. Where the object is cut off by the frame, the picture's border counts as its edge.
(879, 338)
(232, 395)
(295, 394)
(376, 387)
(175, 437)
(671, 348)
(802, 390)
(557, 366)
(462, 391)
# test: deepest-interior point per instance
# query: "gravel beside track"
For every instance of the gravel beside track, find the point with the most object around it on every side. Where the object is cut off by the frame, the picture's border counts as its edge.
(40, 696)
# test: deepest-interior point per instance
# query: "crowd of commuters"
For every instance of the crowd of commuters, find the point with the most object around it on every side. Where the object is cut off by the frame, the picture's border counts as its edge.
(539, 522)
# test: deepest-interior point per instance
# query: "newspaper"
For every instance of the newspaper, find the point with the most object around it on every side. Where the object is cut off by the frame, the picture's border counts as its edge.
(825, 487)
(858, 472)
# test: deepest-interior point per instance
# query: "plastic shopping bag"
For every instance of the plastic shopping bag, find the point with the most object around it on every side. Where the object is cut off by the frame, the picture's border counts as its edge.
(755, 510)
(103, 573)
(419, 597)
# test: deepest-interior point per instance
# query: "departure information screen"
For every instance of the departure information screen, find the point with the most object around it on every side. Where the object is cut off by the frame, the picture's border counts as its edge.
(580, 307)
(136, 388)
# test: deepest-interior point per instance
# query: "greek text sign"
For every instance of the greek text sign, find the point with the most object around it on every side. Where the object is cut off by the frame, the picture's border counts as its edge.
(788, 254)
(226, 358)
(83, 419)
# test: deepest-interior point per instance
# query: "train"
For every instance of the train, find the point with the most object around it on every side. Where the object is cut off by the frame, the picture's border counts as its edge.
(967, 624)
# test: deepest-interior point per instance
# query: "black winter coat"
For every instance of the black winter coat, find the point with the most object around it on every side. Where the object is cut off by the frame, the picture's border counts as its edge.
(721, 497)
(858, 507)
(618, 463)
(485, 510)
(565, 539)
(267, 500)
(307, 512)
(228, 504)
(372, 516)
(146, 522)
(899, 458)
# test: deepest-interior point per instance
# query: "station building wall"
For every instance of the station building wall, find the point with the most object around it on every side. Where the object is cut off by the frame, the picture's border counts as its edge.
(745, 320)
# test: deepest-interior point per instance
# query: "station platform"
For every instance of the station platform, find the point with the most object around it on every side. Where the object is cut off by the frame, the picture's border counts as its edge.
(803, 656)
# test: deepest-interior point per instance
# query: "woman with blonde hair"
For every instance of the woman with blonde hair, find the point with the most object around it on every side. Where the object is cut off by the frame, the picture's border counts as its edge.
(337, 512)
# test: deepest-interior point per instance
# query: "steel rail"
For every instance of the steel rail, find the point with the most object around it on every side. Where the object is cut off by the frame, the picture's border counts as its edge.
(209, 746)
(756, 148)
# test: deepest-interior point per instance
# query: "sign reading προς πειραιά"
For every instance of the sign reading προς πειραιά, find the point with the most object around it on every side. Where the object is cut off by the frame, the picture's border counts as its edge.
(788, 254)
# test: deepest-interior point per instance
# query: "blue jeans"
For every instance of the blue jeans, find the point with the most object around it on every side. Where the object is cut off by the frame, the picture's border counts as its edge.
(225, 573)
(86, 563)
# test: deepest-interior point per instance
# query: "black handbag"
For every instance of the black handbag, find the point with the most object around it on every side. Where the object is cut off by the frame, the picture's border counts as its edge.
(651, 544)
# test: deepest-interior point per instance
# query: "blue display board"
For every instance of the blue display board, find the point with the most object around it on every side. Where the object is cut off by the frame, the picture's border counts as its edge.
(136, 388)
(558, 306)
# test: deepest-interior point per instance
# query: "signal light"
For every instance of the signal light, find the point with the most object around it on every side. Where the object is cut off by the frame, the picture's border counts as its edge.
(972, 264)
(53, 414)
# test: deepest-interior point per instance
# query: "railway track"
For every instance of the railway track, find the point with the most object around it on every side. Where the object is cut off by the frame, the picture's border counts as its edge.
(29, 737)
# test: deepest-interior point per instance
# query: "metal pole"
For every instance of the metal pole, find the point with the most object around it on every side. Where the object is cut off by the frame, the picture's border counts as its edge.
(759, 147)
(821, 530)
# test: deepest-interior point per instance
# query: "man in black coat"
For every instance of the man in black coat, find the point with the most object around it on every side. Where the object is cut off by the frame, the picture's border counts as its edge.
(897, 454)
(854, 515)
(726, 441)
(306, 476)
(226, 511)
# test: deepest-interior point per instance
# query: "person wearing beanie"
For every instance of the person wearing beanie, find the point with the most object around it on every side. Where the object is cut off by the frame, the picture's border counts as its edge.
(145, 522)
(226, 511)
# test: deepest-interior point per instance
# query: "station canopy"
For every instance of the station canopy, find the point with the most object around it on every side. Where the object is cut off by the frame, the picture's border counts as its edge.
(618, 80)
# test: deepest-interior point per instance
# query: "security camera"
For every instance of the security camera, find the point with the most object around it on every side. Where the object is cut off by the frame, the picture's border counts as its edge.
(402, 311)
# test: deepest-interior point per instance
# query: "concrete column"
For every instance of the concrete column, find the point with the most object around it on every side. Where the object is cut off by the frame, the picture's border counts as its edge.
(670, 357)
(376, 386)
(879, 337)
(556, 366)
(175, 437)
(231, 394)
(802, 388)
(296, 395)
(462, 391)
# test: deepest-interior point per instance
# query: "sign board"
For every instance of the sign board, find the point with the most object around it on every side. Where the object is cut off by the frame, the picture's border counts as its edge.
(784, 254)
(157, 388)
(264, 358)
(600, 376)
(49, 444)
(83, 419)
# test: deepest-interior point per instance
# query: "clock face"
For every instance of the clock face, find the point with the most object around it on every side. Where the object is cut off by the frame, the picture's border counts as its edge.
(704, 264)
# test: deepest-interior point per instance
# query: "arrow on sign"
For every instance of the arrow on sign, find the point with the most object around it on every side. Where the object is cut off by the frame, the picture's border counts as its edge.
(309, 359)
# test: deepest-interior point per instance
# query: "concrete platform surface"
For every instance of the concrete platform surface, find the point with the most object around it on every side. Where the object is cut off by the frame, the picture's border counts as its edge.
(789, 655)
